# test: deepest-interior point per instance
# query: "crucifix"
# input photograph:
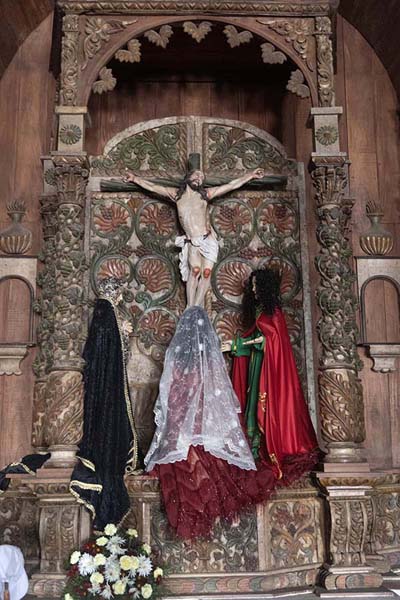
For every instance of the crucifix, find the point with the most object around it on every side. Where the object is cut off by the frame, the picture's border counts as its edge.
(199, 244)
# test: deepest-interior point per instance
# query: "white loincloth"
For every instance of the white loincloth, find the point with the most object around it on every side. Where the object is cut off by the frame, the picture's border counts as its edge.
(207, 245)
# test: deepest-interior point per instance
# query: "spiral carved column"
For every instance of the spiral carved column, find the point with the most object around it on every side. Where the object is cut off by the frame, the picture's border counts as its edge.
(340, 392)
(64, 387)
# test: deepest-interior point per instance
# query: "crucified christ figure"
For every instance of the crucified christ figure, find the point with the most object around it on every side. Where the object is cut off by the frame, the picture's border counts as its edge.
(199, 245)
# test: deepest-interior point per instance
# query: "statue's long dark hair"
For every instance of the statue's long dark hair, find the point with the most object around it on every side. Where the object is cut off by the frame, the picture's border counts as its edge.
(202, 190)
(267, 297)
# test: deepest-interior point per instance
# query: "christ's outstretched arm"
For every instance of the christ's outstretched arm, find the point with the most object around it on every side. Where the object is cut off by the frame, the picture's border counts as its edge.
(160, 190)
(221, 190)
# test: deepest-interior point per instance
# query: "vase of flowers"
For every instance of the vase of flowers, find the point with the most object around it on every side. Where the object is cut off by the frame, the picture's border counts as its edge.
(113, 564)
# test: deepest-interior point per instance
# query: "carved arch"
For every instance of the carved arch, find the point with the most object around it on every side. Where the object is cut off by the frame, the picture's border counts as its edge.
(119, 40)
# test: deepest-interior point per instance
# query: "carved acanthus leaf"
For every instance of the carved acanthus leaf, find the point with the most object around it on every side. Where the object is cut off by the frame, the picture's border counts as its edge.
(297, 86)
(98, 32)
(236, 38)
(297, 32)
(160, 38)
(133, 53)
(106, 82)
(197, 32)
(271, 55)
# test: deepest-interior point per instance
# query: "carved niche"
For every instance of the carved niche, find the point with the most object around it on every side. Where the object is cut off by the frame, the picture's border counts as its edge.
(132, 235)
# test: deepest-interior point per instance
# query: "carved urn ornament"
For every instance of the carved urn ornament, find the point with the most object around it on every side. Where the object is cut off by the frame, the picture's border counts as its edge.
(16, 239)
(376, 241)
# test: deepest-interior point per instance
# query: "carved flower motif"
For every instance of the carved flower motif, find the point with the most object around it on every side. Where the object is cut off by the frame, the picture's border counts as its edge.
(230, 218)
(70, 134)
(114, 267)
(229, 324)
(158, 218)
(280, 216)
(111, 218)
(327, 135)
(232, 276)
(288, 275)
(158, 326)
(155, 274)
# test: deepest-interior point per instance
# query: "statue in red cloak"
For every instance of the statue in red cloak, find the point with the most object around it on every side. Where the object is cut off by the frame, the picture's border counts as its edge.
(266, 381)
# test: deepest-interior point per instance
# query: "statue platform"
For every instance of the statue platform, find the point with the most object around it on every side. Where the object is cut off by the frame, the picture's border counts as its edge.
(275, 550)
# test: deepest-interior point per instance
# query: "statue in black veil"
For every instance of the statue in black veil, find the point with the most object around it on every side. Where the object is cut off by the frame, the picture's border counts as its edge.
(109, 447)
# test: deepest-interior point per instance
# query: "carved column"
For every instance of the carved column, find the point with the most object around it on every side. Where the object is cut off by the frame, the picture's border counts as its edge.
(340, 391)
(45, 329)
(64, 389)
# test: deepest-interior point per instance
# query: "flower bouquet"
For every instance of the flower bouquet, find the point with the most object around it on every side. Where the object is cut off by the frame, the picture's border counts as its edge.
(114, 564)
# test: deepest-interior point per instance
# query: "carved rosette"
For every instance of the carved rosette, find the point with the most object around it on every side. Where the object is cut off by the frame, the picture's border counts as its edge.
(340, 392)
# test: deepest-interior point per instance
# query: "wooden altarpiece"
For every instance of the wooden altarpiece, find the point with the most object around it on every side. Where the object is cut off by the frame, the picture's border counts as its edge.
(325, 532)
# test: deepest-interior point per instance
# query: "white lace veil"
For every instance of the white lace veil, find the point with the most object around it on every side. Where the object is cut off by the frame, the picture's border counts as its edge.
(196, 403)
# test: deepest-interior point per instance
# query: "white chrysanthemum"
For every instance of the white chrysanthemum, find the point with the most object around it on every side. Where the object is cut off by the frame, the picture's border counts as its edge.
(119, 588)
(106, 592)
(68, 597)
(75, 556)
(86, 564)
(134, 592)
(115, 548)
(102, 541)
(99, 560)
(145, 566)
(96, 578)
(110, 529)
(146, 548)
(117, 539)
(132, 532)
(112, 570)
(146, 590)
(95, 589)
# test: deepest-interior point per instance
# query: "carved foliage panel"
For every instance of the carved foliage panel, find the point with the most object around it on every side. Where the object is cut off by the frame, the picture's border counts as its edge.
(19, 521)
(294, 533)
(132, 237)
(231, 549)
(387, 520)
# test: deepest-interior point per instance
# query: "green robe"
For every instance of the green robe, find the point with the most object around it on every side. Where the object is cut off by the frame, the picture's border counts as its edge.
(256, 354)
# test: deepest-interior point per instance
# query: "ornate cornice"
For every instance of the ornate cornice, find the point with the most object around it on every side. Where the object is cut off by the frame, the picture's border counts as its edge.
(233, 7)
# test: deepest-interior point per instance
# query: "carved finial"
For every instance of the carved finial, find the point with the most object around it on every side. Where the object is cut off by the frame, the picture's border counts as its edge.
(16, 239)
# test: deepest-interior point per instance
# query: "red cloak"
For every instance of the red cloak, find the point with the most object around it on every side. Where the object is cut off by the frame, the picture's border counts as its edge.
(289, 440)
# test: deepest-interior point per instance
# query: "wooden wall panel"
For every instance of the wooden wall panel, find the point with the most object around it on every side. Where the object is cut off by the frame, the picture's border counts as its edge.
(370, 124)
(27, 93)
